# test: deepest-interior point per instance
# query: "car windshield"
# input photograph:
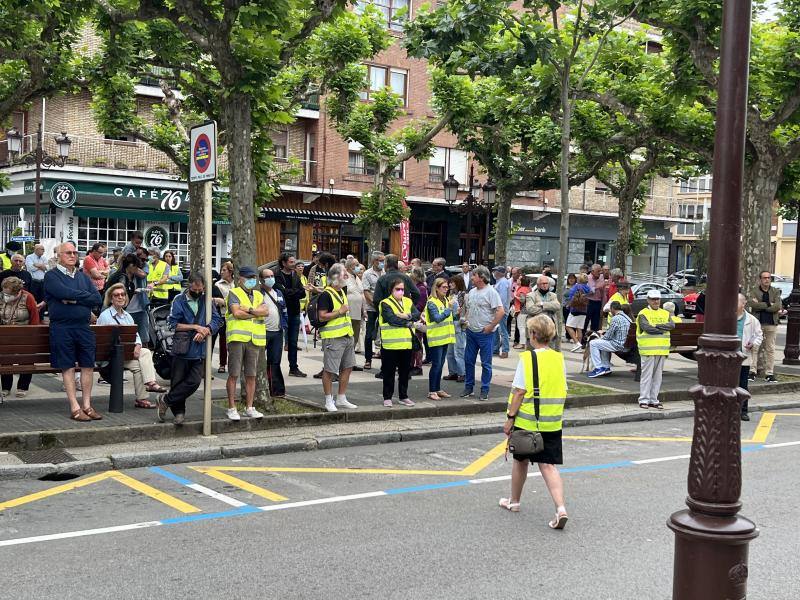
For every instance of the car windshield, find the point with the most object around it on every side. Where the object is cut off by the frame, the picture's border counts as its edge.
(784, 286)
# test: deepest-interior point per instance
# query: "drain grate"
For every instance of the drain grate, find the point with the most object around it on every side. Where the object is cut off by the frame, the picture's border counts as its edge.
(50, 455)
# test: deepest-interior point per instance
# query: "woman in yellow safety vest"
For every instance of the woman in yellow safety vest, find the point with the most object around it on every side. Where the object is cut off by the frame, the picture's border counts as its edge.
(396, 319)
(550, 381)
(158, 276)
(175, 280)
(441, 333)
(304, 280)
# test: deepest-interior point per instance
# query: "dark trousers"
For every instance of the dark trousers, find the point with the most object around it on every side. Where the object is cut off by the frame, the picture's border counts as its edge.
(142, 321)
(744, 371)
(391, 361)
(223, 346)
(274, 351)
(23, 383)
(369, 335)
(593, 312)
(187, 375)
(437, 355)
(292, 331)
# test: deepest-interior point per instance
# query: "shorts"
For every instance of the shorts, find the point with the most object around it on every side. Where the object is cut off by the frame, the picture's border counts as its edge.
(243, 354)
(70, 345)
(576, 321)
(551, 454)
(338, 354)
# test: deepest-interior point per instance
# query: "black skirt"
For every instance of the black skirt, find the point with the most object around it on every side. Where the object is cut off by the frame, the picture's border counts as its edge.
(551, 454)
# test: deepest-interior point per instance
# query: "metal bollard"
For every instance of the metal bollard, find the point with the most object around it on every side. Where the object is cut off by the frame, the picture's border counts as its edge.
(116, 367)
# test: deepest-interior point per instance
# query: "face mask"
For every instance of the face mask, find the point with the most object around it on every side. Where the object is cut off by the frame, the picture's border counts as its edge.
(8, 297)
(194, 295)
(380, 266)
(357, 270)
(250, 283)
(269, 282)
(398, 293)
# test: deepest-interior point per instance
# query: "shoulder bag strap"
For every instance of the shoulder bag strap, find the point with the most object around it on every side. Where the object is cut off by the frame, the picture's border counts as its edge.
(536, 394)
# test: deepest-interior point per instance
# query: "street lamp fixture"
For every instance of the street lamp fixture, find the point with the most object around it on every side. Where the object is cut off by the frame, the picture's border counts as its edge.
(40, 159)
(479, 200)
(489, 192)
(450, 189)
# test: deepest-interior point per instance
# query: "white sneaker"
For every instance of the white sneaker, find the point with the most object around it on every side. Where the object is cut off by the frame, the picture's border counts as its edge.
(233, 414)
(330, 406)
(576, 348)
(345, 404)
(253, 413)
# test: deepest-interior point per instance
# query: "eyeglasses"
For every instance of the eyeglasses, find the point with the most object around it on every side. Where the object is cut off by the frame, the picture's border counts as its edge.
(399, 289)
(119, 295)
(70, 252)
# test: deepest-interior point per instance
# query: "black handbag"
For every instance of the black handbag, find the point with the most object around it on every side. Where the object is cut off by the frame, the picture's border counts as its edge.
(182, 340)
(522, 441)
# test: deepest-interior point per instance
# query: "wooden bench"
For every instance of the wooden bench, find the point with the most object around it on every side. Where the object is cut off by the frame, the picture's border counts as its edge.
(26, 349)
(683, 341)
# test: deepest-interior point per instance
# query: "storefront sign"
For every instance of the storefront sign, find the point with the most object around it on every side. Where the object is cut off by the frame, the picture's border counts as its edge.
(69, 225)
(63, 195)
(169, 199)
(156, 236)
(405, 243)
(657, 237)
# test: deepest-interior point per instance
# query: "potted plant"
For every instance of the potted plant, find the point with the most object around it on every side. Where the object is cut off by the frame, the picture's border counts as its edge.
(162, 168)
(100, 161)
(140, 167)
(120, 165)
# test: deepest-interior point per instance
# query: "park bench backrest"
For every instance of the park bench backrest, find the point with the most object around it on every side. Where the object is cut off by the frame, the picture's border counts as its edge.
(30, 344)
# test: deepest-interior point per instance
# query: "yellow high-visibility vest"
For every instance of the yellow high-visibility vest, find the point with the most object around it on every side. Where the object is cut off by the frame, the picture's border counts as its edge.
(5, 260)
(304, 301)
(341, 326)
(172, 285)
(442, 333)
(246, 330)
(155, 275)
(651, 344)
(617, 297)
(552, 392)
(392, 337)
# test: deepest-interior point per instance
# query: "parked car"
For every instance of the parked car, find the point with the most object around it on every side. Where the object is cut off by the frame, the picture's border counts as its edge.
(785, 286)
(690, 304)
(685, 278)
(667, 295)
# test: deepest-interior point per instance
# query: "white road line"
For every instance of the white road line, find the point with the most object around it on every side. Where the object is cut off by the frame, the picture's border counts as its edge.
(662, 459)
(73, 534)
(782, 445)
(271, 507)
(499, 478)
(216, 495)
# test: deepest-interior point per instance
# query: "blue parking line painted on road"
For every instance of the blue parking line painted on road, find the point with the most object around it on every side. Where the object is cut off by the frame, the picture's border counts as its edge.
(603, 467)
(244, 510)
(753, 448)
(172, 476)
(424, 488)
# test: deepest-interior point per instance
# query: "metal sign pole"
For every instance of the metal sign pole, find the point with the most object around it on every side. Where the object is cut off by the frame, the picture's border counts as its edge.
(207, 277)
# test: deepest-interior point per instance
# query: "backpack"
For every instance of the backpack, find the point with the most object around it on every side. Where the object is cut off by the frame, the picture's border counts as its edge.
(312, 312)
(579, 301)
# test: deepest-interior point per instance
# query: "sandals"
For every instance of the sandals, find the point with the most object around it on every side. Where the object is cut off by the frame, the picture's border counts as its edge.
(657, 405)
(433, 396)
(79, 415)
(644, 405)
(560, 521)
(154, 387)
(144, 403)
(367, 366)
(443, 394)
(509, 505)
(92, 414)
(221, 369)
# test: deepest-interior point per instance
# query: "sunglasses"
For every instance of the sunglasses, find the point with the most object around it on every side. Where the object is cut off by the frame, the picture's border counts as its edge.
(70, 252)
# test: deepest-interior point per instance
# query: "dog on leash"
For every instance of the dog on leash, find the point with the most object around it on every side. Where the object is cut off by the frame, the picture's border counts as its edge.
(587, 366)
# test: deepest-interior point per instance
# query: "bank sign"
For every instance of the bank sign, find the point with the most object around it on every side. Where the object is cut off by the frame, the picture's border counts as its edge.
(66, 194)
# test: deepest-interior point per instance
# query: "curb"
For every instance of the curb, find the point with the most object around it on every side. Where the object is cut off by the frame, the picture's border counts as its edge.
(170, 457)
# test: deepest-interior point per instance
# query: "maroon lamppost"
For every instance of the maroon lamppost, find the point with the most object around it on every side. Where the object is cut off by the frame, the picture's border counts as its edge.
(791, 351)
(711, 538)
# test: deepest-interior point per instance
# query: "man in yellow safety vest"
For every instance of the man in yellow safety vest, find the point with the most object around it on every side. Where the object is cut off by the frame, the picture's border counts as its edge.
(653, 325)
(158, 276)
(338, 346)
(246, 337)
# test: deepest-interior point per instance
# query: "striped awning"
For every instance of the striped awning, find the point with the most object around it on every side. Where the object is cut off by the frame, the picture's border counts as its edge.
(302, 214)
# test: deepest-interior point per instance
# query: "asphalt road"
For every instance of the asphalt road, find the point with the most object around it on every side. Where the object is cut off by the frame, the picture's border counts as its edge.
(434, 532)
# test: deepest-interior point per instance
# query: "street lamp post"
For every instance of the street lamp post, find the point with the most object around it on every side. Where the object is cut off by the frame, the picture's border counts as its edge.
(711, 538)
(40, 159)
(791, 351)
(480, 199)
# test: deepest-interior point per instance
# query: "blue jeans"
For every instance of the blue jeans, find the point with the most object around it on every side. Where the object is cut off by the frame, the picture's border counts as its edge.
(436, 354)
(478, 343)
(292, 330)
(501, 337)
(455, 353)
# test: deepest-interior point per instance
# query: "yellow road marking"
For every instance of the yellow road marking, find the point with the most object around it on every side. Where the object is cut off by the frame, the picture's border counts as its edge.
(764, 427)
(240, 483)
(338, 470)
(153, 493)
(485, 460)
(117, 476)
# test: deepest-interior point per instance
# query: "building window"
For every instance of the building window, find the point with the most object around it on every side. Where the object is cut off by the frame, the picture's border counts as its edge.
(357, 164)
(447, 161)
(280, 151)
(436, 173)
(289, 231)
(697, 212)
(382, 77)
(696, 185)
(391, 10)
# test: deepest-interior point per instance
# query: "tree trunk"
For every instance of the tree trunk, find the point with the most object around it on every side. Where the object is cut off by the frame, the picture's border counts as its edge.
(626, 199)
(761, 185)
(196, 231)
(237, 120)
(563, 236)
(503, 229)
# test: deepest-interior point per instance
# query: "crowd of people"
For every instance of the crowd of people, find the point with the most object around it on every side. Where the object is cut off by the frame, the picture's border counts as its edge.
(397, 313)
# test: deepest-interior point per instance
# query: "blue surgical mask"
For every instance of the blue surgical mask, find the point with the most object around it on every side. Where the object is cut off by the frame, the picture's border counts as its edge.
(357, 270)
(380, 265)
(250, 283)
(269, 282)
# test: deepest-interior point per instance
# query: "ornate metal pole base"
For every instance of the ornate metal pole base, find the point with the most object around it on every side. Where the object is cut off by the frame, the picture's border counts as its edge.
(710, 537)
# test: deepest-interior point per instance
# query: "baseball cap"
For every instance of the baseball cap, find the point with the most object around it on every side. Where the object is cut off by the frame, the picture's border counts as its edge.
(499, 269)
(654, 294)
(247, 271)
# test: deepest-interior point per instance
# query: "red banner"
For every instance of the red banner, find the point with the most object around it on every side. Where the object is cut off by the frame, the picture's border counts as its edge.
(405, 242)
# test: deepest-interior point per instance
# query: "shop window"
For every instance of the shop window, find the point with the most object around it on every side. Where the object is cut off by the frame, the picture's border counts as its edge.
(326, 237)
(114, 233)
(391, 10)
(382, 77)
(289, 233)
(596, 252)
